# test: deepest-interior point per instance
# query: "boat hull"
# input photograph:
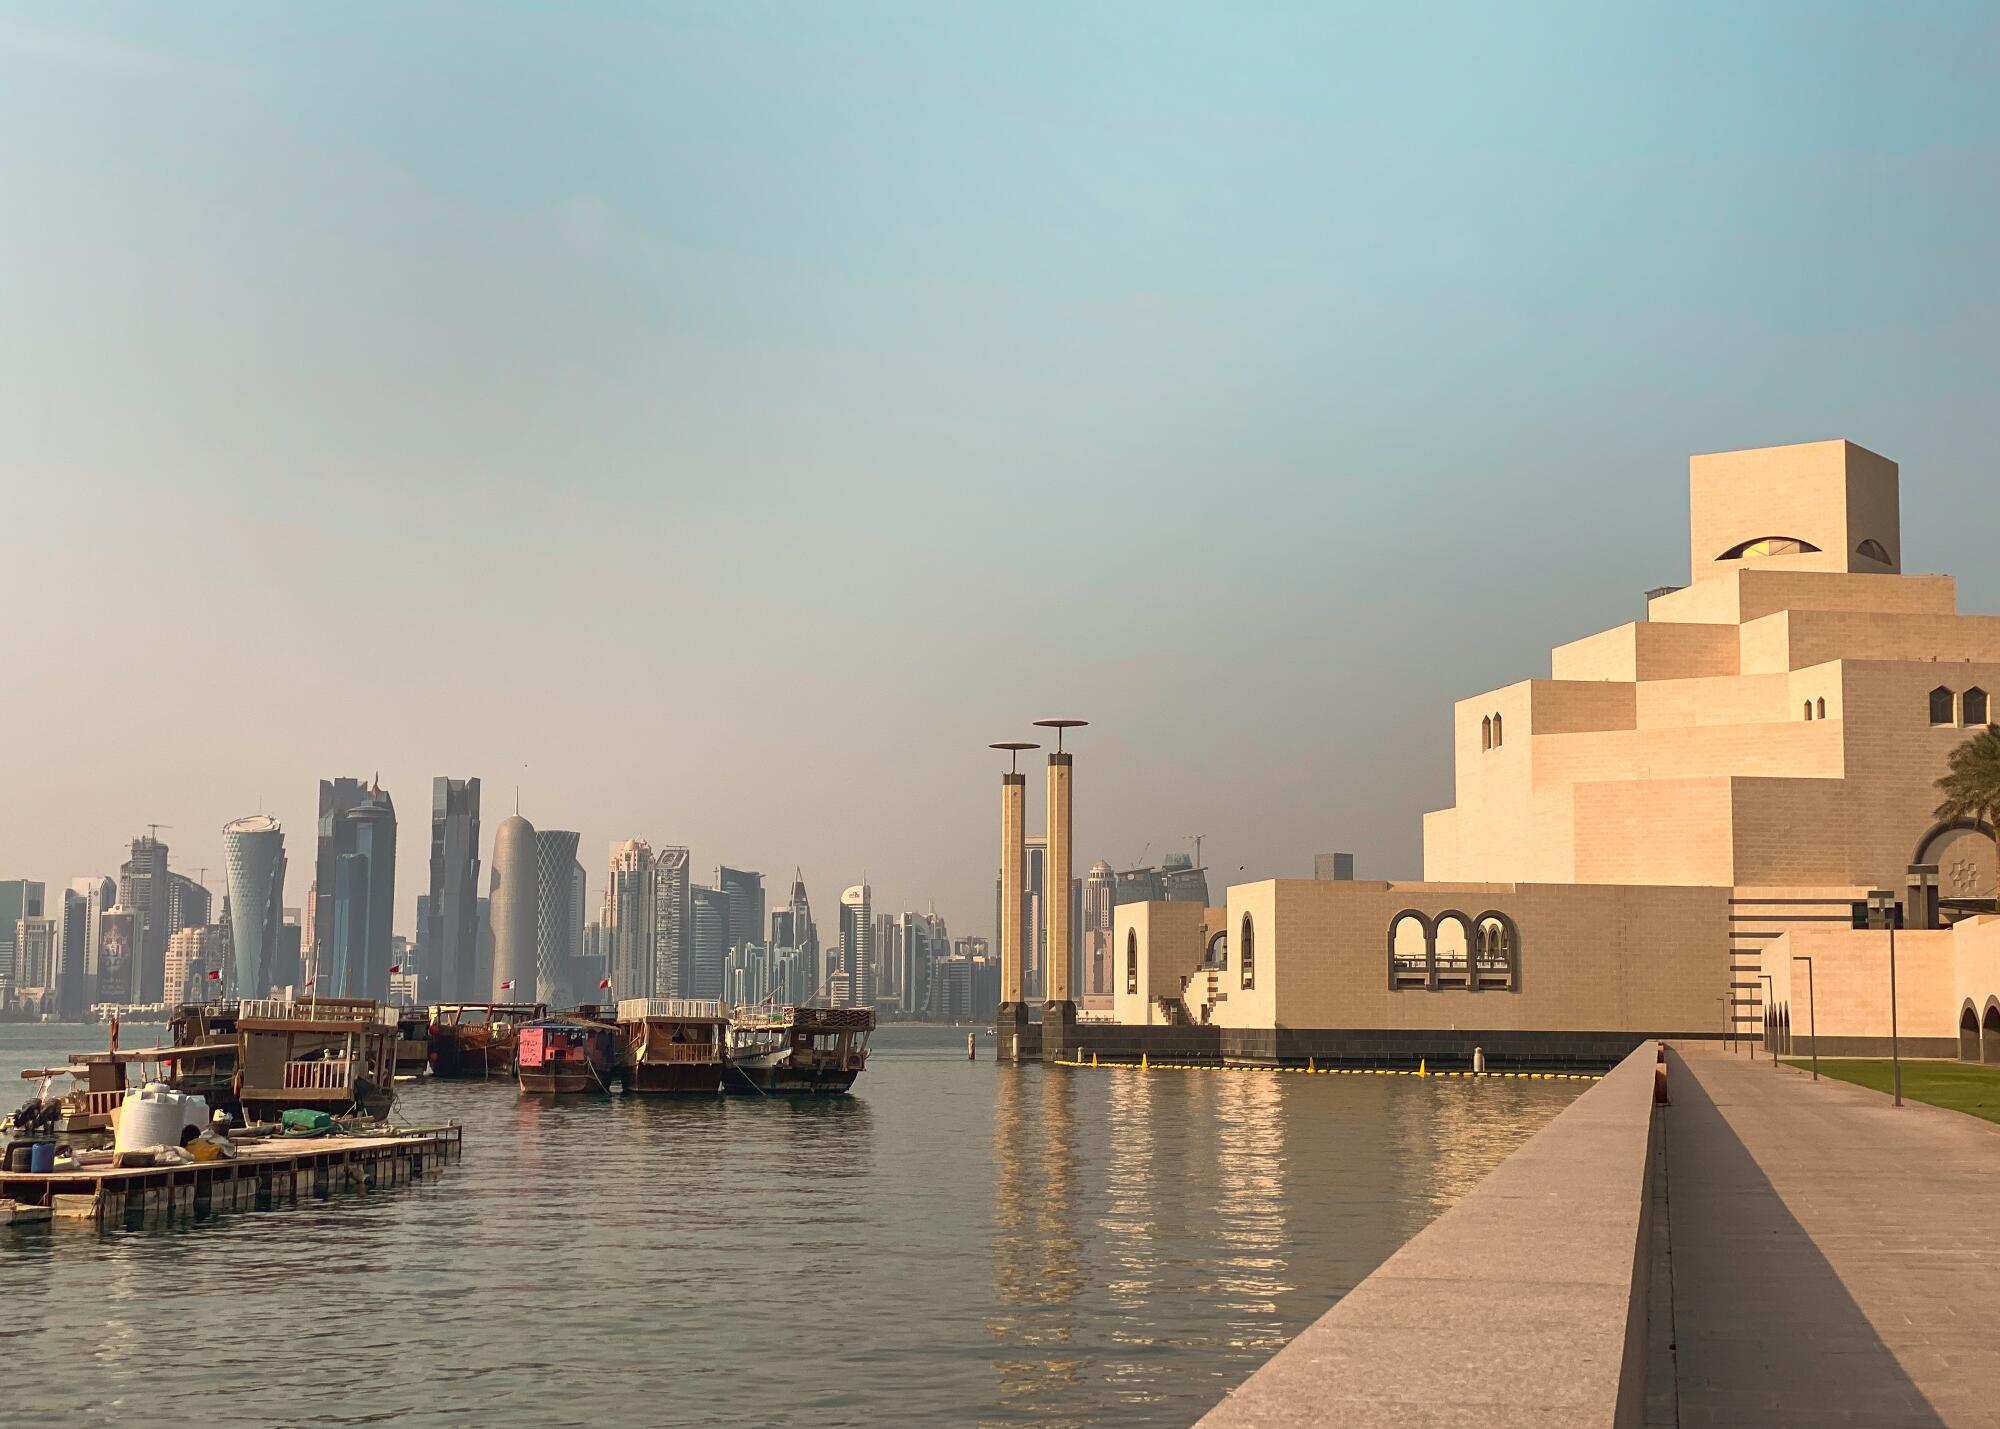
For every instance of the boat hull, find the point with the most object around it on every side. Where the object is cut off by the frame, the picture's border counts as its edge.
(365, 1097)
(674, 1078)
(461, 1057)
(750, 1078)
(561, 1079)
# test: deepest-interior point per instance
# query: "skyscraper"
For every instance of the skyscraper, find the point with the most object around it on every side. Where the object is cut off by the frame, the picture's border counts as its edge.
(354, 888)
(84, 903)
(34, 958)
(582, 946)
(1100, 897)
(288, 967)
(253, 855)
(19, 898)
(628, 920)
(189, 904)
(917, 944)
(1182, 881)
(449, 924)
(801, 935)
(746, 904)
(671, 920)
(854, 978)
(1100, 900)
(193, 953)
(555, 920)
(514, 896)
(142, 892)
(709, 916)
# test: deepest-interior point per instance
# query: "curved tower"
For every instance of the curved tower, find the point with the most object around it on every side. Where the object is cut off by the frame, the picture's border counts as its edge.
(514, 887)
(254, 850)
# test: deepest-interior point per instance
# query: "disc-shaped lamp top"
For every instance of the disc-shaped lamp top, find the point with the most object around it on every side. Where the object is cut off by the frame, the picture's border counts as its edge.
(1014, 748)
(1059, 725)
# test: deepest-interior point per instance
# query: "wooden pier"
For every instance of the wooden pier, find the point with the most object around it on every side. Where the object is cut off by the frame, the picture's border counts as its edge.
(275, 1172)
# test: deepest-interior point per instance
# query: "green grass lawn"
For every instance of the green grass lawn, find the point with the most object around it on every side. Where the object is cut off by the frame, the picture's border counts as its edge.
(1961, 1086)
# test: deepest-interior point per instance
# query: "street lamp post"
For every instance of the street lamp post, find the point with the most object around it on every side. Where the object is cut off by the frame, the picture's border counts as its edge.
(1882, 904)
(1812, 1011)
(1771, 1017)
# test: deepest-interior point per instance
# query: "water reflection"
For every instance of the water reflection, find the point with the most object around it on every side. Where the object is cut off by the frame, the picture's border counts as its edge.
(957, 1243)
(1250, 1207)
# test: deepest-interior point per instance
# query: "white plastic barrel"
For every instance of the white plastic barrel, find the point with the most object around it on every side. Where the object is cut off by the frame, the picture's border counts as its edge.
(154, 1115)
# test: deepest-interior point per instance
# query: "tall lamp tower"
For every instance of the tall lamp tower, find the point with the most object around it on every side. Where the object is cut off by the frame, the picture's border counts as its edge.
(1011, 1020)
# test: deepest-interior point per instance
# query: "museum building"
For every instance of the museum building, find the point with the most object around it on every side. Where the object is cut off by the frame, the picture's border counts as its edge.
(1638, 838)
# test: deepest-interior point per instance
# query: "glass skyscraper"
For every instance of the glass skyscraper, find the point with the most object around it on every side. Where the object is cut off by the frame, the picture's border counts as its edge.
(356, 889)
(449, 925)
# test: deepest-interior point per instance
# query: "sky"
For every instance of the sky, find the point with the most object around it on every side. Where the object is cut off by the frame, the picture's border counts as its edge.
(723, 421)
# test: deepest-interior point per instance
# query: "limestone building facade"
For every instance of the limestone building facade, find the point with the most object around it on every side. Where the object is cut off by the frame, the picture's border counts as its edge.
(1631, 835)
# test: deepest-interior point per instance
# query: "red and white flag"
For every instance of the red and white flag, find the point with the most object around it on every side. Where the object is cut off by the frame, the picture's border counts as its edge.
(507, 986)
(395, 967)
(309, 983)
(215, 974)
(603, 982)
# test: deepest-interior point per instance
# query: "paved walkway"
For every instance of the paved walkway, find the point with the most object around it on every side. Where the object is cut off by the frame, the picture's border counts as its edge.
(1834, 1259)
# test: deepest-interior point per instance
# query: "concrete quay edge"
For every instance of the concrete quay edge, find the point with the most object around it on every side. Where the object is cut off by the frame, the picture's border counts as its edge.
(1525, 1303)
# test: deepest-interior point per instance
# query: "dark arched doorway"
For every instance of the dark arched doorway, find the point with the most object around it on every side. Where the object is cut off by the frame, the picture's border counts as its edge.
(1989, 1041)
(1968, 1035)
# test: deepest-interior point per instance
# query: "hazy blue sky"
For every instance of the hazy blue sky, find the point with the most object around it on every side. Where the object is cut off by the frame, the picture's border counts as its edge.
(726, 419)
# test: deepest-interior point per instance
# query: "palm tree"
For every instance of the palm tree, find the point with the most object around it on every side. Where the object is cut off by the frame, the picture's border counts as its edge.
(1972, 789)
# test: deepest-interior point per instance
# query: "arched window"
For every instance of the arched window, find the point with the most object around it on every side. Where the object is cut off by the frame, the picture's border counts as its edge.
(1132, 960)
(1486, 733)
(1822, 706)
(1973, 706)
(1451, 950)
(1496, 732)
(1874, 551)
(1248, 957)
(1808, 709)
(1768, 546)
(1941, 711)
(1216, 954)
(1494, 951)
(1409, 950)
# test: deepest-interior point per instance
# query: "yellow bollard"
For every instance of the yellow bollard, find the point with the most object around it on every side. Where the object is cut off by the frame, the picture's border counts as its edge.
(1312, 1064)
(1142, 1061)
(1420, 1068)
(1093, 1059)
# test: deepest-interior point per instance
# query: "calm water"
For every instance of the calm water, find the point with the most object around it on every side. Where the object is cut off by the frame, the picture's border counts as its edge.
(957, 1243)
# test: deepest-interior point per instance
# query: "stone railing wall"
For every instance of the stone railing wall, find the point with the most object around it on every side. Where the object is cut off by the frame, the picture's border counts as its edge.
(1525, 1303)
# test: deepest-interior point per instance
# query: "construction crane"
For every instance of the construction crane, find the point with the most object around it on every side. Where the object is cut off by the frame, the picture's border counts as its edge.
(1197, 850)
(153, 831)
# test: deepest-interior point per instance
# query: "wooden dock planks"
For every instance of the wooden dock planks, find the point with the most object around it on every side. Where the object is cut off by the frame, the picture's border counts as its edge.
(263, 1174)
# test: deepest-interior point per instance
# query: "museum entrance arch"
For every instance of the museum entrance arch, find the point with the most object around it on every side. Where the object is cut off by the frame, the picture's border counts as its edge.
(1962, 852)
(1968, 1034)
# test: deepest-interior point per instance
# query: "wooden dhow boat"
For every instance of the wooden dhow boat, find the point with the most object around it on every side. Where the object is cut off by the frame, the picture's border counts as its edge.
(671, 1044)
(330, 1054)
(567, 1053)
(470, 1040)
(797, 1051)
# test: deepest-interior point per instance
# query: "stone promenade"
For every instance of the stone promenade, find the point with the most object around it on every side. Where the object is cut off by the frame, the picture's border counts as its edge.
(1833, 1258)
